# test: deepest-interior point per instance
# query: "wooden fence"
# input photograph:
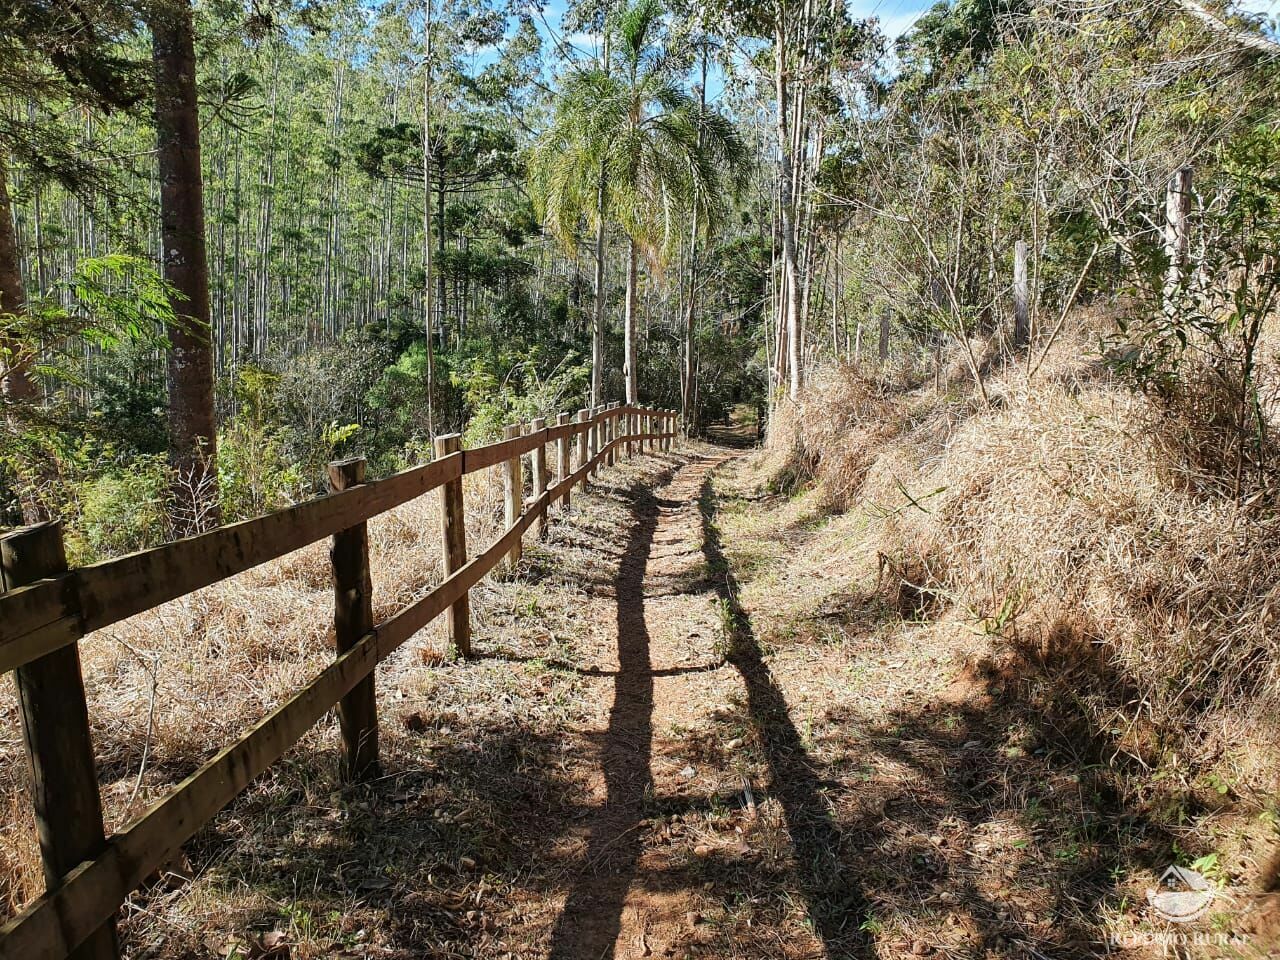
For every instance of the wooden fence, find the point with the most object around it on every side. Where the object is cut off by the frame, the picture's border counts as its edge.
(46, 609)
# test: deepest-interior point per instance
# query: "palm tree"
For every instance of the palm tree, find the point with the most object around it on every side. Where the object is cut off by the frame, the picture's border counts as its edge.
(628, 144)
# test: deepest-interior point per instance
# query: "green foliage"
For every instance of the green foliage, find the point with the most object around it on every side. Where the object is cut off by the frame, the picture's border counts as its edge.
(116, 301)
(400, 397)
(254, 475)
(129, 415)
(519, 395)
(121, 511)
(1194, 345)
(629, 143)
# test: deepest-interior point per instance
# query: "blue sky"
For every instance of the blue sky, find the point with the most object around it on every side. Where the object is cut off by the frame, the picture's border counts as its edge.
(896, 17)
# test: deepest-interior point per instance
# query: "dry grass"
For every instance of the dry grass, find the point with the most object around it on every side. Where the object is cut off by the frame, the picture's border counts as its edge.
(1059, 517)
(168, 688)
(1064, 544)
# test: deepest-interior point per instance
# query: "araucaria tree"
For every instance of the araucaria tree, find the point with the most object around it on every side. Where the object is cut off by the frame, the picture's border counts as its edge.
(193, 434)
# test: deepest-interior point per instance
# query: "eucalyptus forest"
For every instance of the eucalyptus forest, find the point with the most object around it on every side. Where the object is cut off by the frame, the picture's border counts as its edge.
(867, 409)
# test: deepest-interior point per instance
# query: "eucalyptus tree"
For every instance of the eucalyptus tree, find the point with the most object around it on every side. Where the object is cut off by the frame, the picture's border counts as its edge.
(815, 66)
(52, 56)
(630, 144)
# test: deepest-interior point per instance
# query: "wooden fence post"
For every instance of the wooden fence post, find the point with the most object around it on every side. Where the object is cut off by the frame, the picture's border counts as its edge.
(352, 619)
(55, 730)
(584, 456)
(602, 415)
(564, 465)
(648, 427)
(453, 535)
(611, 418)
(1021, 300)
(539, 477)
(593, 438)
(513, 488)
(615, 419)
(668, 427)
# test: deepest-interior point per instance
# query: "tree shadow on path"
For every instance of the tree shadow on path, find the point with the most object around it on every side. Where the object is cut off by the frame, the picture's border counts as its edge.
(835, 903)
(592, 917)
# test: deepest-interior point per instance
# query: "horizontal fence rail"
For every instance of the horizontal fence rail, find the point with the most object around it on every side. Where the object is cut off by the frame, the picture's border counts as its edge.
(46, 609)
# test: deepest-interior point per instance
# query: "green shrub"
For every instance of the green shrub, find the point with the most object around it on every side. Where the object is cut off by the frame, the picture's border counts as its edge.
(120, 511)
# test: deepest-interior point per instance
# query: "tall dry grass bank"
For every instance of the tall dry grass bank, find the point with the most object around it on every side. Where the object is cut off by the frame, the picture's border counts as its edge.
(1131, 594)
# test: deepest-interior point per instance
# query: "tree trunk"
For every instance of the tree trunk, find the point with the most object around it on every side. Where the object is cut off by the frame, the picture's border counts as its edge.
(629, 330)
(687, 372)
(1177, 210)
(192, 431)
(15, 385)
(597, 330)
(1021, 303)
(428, 320)
(786, 215)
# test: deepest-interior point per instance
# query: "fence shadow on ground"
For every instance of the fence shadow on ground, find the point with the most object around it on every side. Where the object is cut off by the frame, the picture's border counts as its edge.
(833, 897)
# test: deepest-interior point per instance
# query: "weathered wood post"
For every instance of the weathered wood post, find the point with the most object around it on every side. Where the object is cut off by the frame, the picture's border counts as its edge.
(669, 427)
(513, 490)
(615, 432)
(1177, 210)
(593, 439)
(564, 465)
(884, 335)
(1021, 298)
(453, 535)
(584, 455)
(353, 619)
(648, 427)
(55, 730)
(602, 417)
(610, 431)
(539, 425)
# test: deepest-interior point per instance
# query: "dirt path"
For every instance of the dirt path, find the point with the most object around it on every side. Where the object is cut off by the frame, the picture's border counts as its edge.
(698, 725)
(706, 776)
(613, 907)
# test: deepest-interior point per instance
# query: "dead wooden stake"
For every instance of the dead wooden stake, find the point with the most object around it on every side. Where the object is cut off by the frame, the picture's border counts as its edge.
(884, 335)
(564, 466)
(353, 619)
(1177, 210)
(1021, 298)
(55, 730)
(513, 489)
(453, 536)
(539, 477)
